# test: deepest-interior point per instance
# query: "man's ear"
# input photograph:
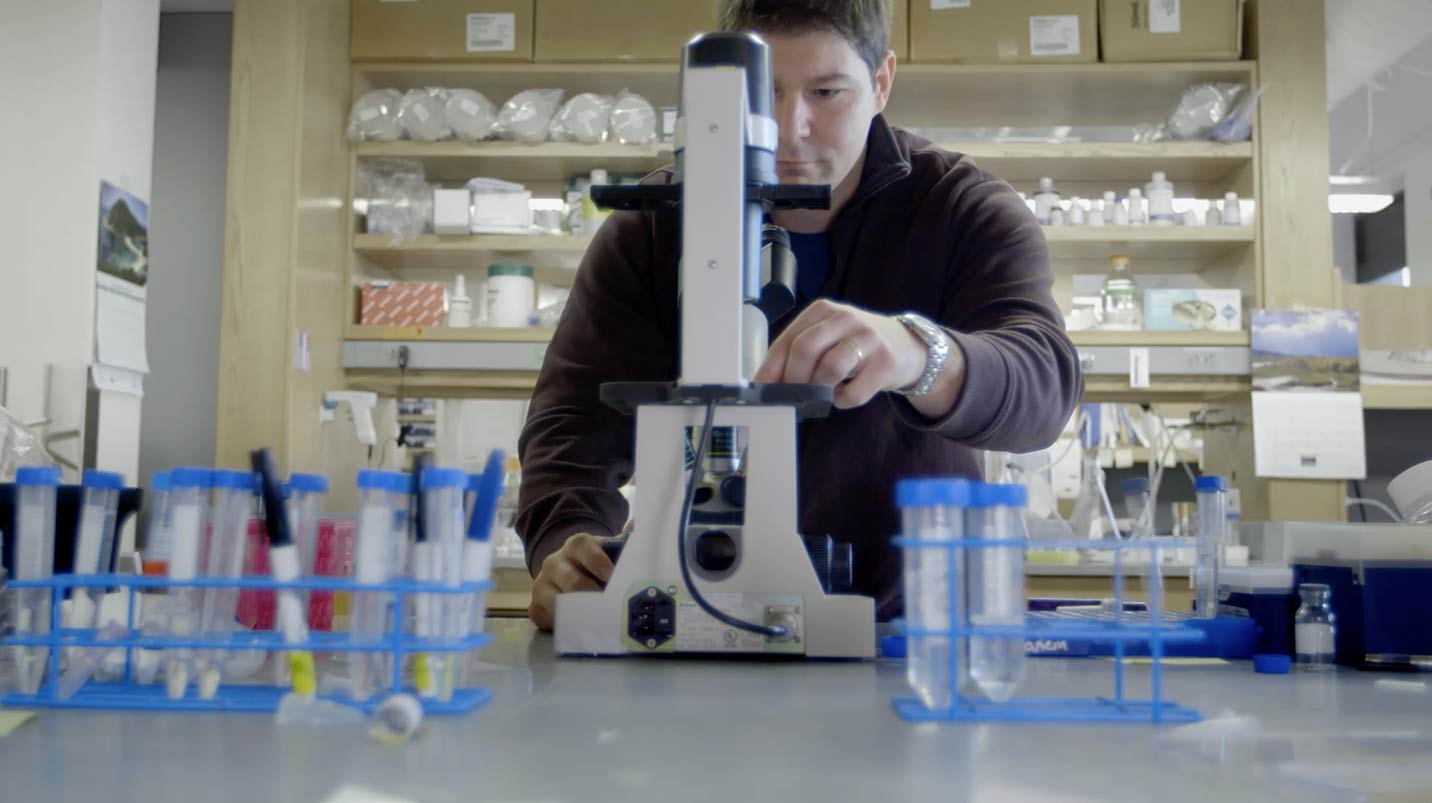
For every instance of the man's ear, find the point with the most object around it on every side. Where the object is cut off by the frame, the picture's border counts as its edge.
(884, 80)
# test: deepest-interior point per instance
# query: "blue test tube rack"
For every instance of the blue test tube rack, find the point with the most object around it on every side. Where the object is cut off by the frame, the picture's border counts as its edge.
(242, 696)
(1154, 627)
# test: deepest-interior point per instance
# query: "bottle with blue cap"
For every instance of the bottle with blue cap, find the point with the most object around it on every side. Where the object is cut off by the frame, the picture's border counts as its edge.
(190, 489)
(94, 539)
(371, 561)
(35, 490)
(1212, 522)
(440, 616)
(995, 578)
(305, 506)
(158, 543)
(932, 510)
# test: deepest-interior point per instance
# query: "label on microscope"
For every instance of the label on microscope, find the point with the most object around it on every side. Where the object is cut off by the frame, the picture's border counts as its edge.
(696, 631)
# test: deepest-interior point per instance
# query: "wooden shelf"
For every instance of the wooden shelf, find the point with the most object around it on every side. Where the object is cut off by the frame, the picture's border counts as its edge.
(445, 384)
(1171, 243)
(554, 258)
(1118, 164)
(1397, 397)
(456, 162)
(1106, 388)
(474, 334)
(417, 419)
(1154, 339)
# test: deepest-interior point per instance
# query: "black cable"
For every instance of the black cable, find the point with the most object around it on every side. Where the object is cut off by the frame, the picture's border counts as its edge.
(696, 471)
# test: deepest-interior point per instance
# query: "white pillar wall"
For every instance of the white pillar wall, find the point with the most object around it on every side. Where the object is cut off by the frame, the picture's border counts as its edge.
(83, 71)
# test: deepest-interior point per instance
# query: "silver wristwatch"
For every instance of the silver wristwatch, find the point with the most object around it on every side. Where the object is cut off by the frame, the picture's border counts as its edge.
(939, 352)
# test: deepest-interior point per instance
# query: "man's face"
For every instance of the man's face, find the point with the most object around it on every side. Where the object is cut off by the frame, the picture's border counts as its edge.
(825, 100)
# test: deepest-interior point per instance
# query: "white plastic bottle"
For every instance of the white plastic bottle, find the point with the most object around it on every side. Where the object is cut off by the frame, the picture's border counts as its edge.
(1160, 194)
(592, 215)
(1076, 211)
(459, 305)
(1045, 201)
(1190, 218)
(1120, 217)
(1232, 215)
(1057, 217)
(1097, 216)
(1138, 215)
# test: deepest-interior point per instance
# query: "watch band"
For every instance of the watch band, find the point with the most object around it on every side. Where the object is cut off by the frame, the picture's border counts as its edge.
(939, 352)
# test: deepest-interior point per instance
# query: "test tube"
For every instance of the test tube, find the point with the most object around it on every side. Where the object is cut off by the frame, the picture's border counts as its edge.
(158, 543)
(477, 547)
(996, 587)
(94, 547)
(305, 505)
(1211, 493)
(233, 506)
(932, 511)
(400, 496)
(189, 515)
(371, 561)
(443, 490)
(35, 488)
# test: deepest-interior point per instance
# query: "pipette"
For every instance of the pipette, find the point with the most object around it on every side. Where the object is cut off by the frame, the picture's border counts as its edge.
(189, 498)
(34, 560)
(284, 561)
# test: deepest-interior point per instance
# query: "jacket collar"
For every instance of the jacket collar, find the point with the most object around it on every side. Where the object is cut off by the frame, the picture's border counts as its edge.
(886, 161)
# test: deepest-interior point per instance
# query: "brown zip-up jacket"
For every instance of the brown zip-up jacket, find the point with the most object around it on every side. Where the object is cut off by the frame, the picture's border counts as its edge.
(926, 231)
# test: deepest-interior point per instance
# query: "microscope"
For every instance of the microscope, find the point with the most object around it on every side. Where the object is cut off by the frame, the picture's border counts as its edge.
(694, 575)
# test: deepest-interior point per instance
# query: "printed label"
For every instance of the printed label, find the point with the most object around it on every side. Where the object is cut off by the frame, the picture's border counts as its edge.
(1313, 638)
(1054, 36)
(941, 5)
(491, 32)
(1138, 368)
(698, 632)
(1164, 16)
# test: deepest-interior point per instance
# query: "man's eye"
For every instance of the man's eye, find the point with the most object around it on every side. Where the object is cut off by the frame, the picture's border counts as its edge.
(827, 93)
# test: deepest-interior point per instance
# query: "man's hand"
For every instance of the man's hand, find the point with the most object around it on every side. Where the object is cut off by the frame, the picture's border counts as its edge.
(580, 565)
(857, 352)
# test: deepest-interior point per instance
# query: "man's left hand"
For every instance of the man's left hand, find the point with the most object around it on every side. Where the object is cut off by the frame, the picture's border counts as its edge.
(859, 353)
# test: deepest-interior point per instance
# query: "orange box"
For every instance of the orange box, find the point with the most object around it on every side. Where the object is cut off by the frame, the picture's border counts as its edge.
(403, 304)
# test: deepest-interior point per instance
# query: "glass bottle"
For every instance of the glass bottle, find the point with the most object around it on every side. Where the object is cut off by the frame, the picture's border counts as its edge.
(1315, 628)
(1121, 300)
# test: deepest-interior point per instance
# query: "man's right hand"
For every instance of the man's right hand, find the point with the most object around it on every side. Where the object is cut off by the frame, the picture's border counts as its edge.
(580, 565)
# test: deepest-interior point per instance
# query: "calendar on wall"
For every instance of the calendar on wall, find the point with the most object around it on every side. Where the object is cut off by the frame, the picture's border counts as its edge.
(1307, 403)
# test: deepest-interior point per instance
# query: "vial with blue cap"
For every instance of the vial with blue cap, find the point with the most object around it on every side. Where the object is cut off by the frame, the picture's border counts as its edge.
(190, 489)
(371, 563)
(932, 513)
(228, 542)
(1211, 524)
(35, 491)
(441, 561)
(995, 578)
(94, 540)
(158, 542)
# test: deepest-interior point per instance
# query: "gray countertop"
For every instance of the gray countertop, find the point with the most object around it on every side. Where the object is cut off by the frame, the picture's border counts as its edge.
(690, 730)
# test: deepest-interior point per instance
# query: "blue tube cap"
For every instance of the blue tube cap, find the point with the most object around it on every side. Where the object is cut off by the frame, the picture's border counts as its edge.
(1272, 664)
(991, 495)
(235, 480)
(37, 475)
(1210, 482)
(160, 483)
(444, 478)
(308, 483)
(932, 492)
(191, 478)
(373, 480)
(1135, 485)
(102, 480)
(892, 646)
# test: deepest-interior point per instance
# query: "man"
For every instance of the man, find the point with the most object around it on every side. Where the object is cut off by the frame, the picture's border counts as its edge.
(983, 364)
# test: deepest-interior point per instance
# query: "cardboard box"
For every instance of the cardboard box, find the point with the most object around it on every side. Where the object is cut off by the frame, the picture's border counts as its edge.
(403, 304)
(645, 30)
(1171, 30)
(441, 30)
(619, 30)
(1206, 310)
(1004, 31)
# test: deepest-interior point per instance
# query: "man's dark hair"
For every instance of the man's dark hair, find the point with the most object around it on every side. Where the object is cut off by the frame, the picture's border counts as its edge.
(865, 24)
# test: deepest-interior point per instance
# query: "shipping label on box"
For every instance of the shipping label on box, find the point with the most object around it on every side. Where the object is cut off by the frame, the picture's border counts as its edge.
(1188, 310)
(1170, 30)
(403, 304)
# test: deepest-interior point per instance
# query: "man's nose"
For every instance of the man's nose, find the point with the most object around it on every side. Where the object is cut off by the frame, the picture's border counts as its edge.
(793, 117)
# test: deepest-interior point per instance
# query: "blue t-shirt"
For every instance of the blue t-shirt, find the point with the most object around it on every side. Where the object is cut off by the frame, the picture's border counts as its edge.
(812, 252)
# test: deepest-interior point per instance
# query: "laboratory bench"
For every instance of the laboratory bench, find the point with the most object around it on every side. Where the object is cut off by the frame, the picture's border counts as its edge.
(697, 730)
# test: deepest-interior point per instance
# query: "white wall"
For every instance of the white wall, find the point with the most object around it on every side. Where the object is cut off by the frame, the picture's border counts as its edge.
(191, 127)
(50, 55)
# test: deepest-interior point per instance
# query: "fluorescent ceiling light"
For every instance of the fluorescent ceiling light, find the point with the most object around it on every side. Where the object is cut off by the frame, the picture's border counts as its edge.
(1358, 203)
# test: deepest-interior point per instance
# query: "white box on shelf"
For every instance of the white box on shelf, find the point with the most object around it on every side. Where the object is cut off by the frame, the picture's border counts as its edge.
(452, 211)
(500, 207)
(1193, 310)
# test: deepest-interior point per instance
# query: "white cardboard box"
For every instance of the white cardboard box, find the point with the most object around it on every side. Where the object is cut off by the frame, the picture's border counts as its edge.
(1190, 310)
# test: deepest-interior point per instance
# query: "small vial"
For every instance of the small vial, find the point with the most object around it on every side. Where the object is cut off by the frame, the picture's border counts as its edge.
(1160, 194)
(159, 542)
(1121, 212)
(933, 511)
(1232, 215)
(372, 555)
(1315, 628)
(1046, 201)
(1057, 217)
(1138, 213)
(35, 492)
(1212, 521)
(1077, 214)
(996, 588)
